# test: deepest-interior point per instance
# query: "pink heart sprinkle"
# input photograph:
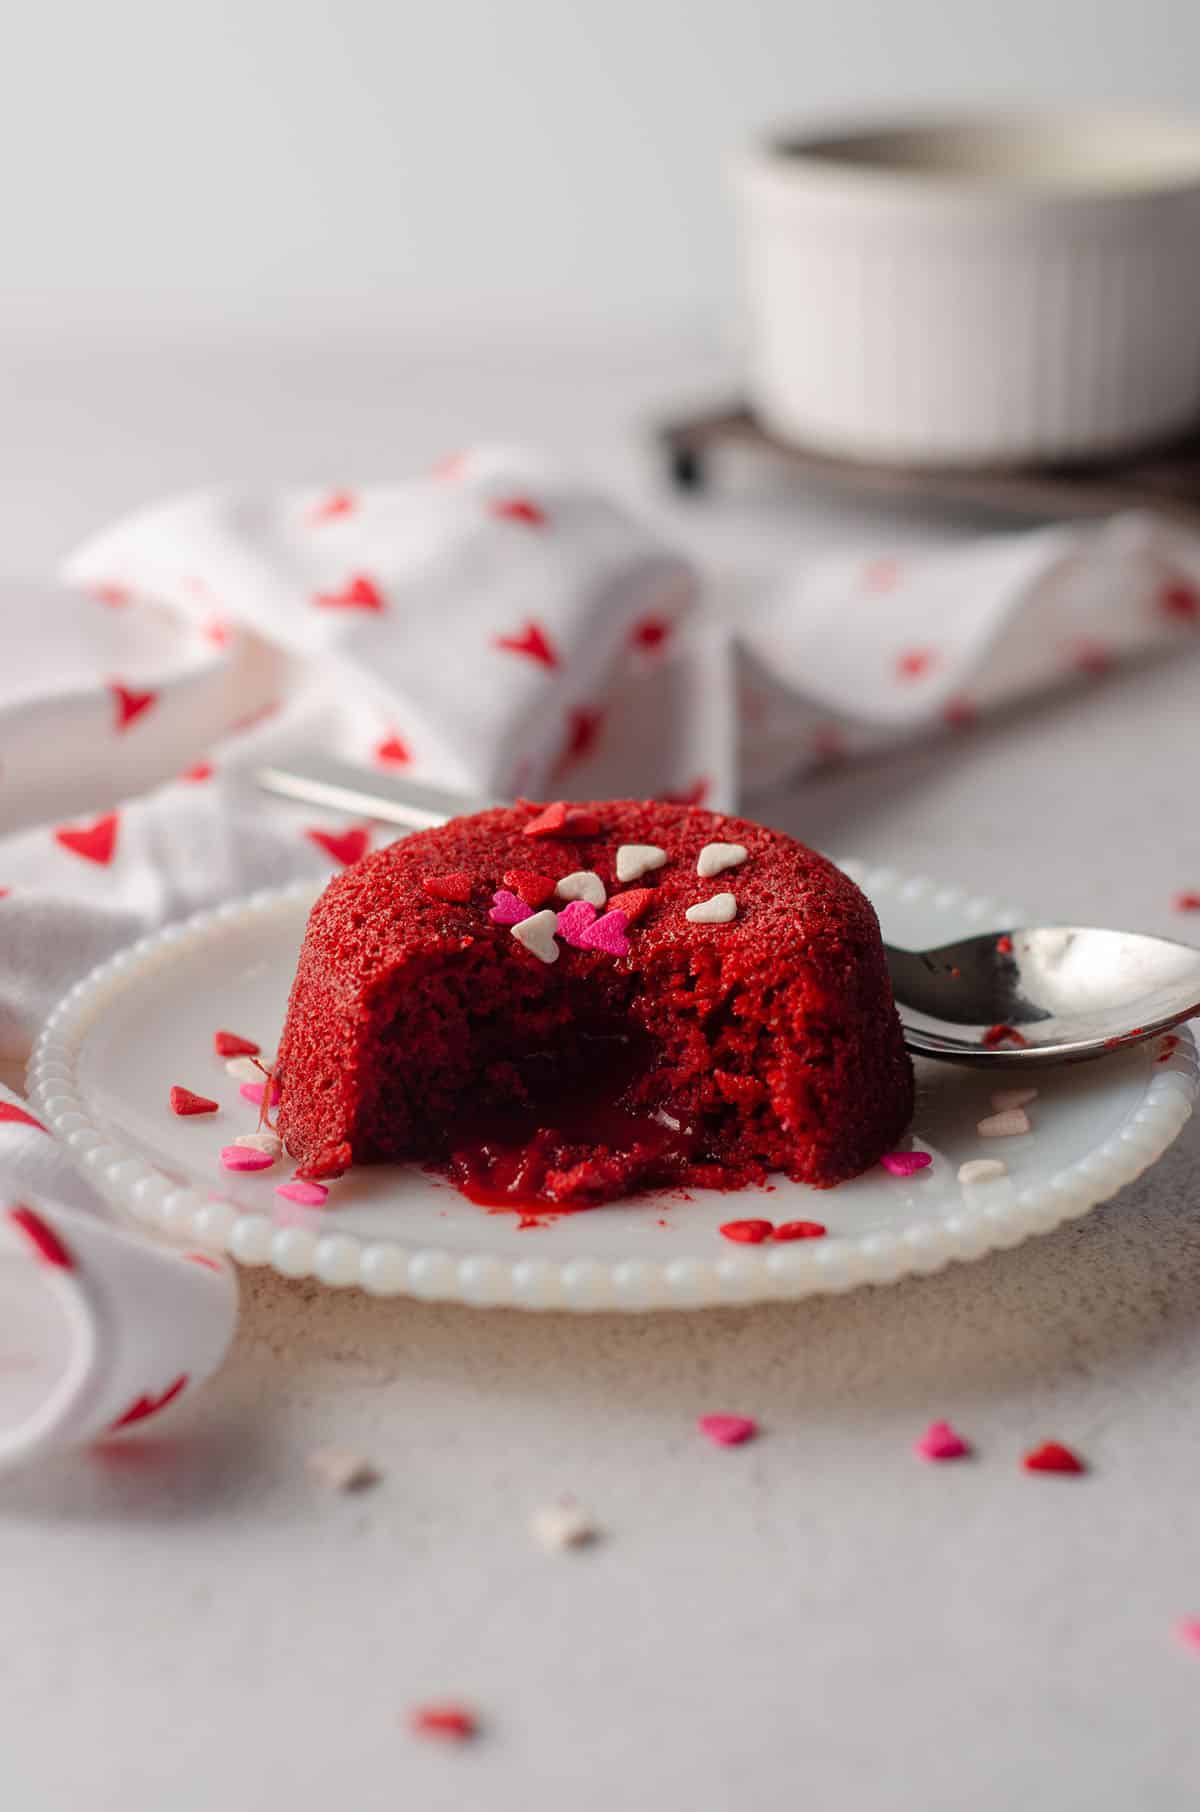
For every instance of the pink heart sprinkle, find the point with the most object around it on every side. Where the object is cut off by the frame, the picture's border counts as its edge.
(574, 920)
(607, 934)
(905, 1163)
(244, 1157)
(507, 909)
(1188, 1631)
(728, 1431)
(254, 1091)
(941, 1442)
(309, 1195)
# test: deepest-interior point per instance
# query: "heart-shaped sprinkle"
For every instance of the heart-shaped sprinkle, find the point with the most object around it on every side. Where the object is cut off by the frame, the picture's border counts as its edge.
(717, 911)
(607, 934)
(308, 1195)
(582, 885)
(1004, 1098)
(1052, 1456)
(261, 1141)
(727, 1431)
(905, 1163)
(548, 823)
(799, 1230)
(254, 1091)
(186, 1101)
(453, 1722)
(244, 1069)
(1010, 1124)
(982, 1170)
(717, 856)
(534, 888)
(242, 1157)
(455, 888)
(536, 932)
(747, 1233)
(507, 909)
(941, 1442)
(574, 920)
(228, 1044)
(634, 903)
(636, 859)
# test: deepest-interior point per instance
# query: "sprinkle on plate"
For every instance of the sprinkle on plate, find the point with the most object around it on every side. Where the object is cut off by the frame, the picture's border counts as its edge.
(727, 1431)
(187, 1101)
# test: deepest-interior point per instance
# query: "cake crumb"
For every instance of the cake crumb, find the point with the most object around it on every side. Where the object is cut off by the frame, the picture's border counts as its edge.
(341, 1470)
(565, 1524)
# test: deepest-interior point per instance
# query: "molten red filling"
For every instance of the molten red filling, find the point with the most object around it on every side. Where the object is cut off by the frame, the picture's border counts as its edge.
(577, 1136)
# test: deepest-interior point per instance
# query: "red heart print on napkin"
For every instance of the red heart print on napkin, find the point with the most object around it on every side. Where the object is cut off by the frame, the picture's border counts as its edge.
(94, 842)
(359, 593)
(533, 642)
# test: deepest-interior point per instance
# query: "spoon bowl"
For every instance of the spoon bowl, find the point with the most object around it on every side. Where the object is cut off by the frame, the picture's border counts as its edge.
(1042, 994)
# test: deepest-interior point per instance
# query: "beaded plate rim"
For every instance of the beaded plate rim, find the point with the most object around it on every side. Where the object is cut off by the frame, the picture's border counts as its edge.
(385, 1268)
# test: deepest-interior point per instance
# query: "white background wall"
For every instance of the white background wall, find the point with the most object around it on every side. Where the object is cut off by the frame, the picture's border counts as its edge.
(468, 159)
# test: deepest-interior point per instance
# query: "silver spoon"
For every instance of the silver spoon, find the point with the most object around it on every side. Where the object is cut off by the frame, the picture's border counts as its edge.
(1030, 995)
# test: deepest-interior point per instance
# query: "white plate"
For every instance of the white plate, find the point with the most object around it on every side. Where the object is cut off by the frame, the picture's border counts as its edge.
(112, 1049)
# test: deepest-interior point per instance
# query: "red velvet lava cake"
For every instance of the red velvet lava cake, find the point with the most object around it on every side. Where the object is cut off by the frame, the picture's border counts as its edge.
(571, 1003)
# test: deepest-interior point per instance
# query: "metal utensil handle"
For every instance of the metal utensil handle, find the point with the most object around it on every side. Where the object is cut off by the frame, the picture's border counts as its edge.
(346, 788)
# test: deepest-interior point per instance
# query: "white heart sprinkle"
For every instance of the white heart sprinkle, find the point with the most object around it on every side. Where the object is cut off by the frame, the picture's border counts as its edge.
(1009, 1125)
(636, 859)
(562, 1526)
(340, 1469)
(1013, 1097)
(261, 1141)
(582, 885)
(982, 1170)
(537, 935)
(717, 911)
(716, 856)
(244, 1068)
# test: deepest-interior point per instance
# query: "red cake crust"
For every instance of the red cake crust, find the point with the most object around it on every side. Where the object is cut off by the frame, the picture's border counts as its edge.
(709, 1055)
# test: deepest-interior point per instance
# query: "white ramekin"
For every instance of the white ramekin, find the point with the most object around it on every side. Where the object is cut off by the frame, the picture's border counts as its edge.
(994, 290)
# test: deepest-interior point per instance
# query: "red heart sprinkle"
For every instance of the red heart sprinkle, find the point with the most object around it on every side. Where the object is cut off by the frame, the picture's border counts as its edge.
(202, 770)
(231, 1044)
(186, 1101)
(130, 705)
(747, 1233)
(94, 842)
(800, 1230)
(1003, 1035)
(1186, 902)
(533, 642)
(534, 888)
(548, 823)
(42, 1237)
(1052, 1456)
(519, 509)
(344, 846)
(452, 1721)
(456, 887)
(359, 593)
(393, 752)
(633, 904)
(17, 1116)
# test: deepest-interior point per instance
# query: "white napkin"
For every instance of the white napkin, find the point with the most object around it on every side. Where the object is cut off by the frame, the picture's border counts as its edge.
(492, 625)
